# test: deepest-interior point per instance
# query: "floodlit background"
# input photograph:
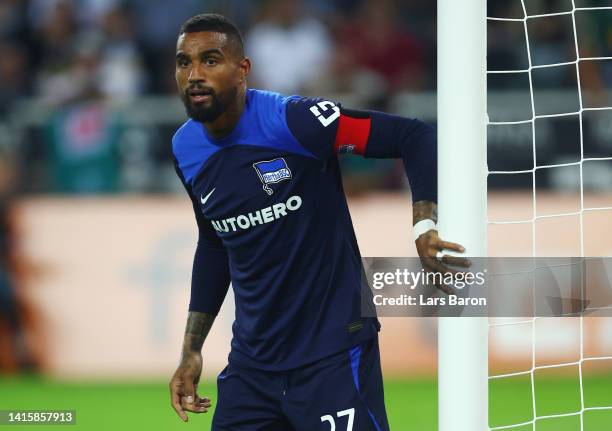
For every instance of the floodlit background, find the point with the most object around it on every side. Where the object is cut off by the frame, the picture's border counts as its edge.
(97, 235)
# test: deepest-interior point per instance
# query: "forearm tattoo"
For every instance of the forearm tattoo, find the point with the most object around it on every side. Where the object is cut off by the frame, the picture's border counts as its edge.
(198, 327)
(422, 210)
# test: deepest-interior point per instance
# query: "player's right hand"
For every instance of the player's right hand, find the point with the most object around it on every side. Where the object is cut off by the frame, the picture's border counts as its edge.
(429, 245)
(184, 387)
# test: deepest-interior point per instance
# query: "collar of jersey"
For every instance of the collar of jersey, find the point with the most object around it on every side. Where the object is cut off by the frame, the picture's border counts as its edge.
(237, 129)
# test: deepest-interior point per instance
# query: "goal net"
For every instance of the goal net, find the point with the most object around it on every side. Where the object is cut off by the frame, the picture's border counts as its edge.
(556, 97)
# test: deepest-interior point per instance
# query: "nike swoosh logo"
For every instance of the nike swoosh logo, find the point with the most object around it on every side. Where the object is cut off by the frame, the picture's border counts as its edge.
(205, 198)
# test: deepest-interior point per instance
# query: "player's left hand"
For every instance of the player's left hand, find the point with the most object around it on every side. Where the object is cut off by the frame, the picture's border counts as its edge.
(429, 246)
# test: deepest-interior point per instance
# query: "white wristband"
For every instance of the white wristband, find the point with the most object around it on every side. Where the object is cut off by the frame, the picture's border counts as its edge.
(423, 226)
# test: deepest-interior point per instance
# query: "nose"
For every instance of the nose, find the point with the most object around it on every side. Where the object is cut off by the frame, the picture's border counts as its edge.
(196, 74)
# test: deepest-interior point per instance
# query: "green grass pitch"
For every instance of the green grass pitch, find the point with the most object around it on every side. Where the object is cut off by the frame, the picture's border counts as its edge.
(411, 403)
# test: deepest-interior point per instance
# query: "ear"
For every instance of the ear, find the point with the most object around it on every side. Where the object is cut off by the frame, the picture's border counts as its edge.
(244, 68)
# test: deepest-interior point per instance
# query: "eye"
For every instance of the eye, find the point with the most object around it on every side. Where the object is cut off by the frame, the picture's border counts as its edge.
(182, 62)
(211, 62)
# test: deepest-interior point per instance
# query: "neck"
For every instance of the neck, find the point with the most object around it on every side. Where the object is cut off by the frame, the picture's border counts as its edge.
(226, 122)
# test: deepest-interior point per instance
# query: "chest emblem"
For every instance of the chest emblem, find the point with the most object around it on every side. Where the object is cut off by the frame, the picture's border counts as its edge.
(272, 171)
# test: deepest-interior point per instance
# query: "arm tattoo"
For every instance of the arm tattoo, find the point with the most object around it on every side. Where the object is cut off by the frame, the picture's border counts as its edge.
(198, 326)
(422, 210)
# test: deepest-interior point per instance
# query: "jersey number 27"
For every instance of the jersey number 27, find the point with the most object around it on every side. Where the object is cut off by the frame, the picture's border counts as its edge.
(351, 417)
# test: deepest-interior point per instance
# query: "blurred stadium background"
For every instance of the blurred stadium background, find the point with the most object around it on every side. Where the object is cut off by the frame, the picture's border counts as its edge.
(96, 235)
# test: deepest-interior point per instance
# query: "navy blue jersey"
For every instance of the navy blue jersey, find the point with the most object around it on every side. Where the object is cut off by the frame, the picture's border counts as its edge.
(273, 219)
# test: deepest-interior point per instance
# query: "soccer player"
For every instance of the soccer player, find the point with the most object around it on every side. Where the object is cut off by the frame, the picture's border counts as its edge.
(262, 172)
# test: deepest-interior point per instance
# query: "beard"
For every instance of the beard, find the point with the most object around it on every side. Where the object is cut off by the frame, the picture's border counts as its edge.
(208, 112)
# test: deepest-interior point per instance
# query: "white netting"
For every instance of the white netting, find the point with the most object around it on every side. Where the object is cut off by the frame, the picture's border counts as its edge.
(531, 323)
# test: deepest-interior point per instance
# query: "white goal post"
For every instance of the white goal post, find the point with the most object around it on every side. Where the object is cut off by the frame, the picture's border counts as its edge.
(462, 200)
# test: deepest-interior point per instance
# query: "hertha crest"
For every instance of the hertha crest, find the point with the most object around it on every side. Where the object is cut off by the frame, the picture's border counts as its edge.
(272, 171)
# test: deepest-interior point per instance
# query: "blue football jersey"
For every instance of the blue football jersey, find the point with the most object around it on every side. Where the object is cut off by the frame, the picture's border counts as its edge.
(274, 218)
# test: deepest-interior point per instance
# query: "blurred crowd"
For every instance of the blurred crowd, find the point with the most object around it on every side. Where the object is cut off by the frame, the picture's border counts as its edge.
(77, 58)
(62, 50)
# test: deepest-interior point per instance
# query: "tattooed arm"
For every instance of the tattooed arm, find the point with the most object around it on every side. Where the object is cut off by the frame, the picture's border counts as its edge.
(184, 383)
(198, 327)
(422, 210)
(209, 284)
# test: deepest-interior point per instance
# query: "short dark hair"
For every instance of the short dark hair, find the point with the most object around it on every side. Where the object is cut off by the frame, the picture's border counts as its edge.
(216, 23)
